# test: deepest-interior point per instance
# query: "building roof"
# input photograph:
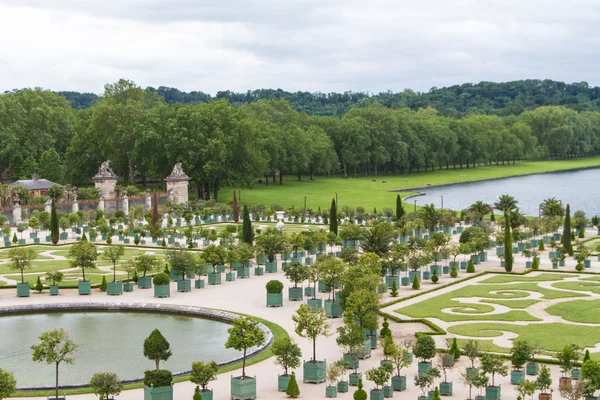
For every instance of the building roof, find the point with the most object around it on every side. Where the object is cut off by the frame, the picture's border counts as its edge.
(33, 184)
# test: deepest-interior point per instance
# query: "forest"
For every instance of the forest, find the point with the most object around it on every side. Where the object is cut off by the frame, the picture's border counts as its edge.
(229, 141)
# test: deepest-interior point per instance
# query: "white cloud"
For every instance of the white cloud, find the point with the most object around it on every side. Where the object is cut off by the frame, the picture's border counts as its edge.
(327, 45)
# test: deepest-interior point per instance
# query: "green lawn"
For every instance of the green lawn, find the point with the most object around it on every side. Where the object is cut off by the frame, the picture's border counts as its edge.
(39, 266)
(517, 304)
(552, 337)
(585, 286)
(585, 311)
(519, 278)
(364, 192)
(70, 279)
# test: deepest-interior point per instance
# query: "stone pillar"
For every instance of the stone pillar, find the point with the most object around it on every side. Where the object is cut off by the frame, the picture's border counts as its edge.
(17, 214)
(48, 206)
(101, 203)
(105, 180)
(148, 200)
(75, 205)
(177, 185)
(125, 205)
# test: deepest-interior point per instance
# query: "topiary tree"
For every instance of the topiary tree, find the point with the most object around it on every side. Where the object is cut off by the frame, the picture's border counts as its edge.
(424, 348)
(415, 283)
(379, 376)
(106, 384)
(287, 353)
(202, 373)
(453, 271)
(292, 389)
(566, 236)
(535, 265)
(8, 384)
(385, 330)
(244, 333)
(360, 394)
(454, 350)
(434, 278)
(508, 250)
(54, 233)
(333, 221)
(157, 348)
(310, 324)
(436, 394)
(197, 394)
(471, 267)
(394, 291)
(247, 231)
(274, 286)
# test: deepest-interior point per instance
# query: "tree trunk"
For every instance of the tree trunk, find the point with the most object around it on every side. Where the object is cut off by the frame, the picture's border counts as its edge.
(280, 178)
(344, 164)
(197, 190)
(267, 179)
(299, 176)
(131, 174)
(244, 365)
(56, 395)
(355, 172)
(376, 171)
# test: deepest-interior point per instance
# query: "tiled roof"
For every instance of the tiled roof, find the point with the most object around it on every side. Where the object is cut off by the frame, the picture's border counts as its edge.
(31, 184)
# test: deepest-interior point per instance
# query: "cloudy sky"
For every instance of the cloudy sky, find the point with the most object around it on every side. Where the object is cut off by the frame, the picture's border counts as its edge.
(312, 45)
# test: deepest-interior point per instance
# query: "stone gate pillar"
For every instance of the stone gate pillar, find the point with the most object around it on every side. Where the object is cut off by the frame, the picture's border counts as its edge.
(105, 180)
(125, 205)
(148, 204)
(177, 185)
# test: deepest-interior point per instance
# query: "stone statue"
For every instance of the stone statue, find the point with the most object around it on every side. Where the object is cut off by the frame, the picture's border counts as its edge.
(178, 173)
(105, 171)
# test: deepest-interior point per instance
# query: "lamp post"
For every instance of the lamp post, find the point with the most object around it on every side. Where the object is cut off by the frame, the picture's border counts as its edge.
(415, 205)
(336, 200)
(540, 211)
(304, 204)
(239, 195)
(442, 197)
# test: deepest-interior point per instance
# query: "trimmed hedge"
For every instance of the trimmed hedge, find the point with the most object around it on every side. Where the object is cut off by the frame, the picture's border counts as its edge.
(161, 279)
(158, 377)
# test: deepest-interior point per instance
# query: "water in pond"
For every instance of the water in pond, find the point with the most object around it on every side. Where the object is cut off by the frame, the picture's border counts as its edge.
(580, 188)
(108, 342)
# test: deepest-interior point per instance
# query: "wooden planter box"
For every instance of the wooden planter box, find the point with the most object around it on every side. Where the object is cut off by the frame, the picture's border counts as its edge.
(330, 391)
(271, 267)
(446, 388)
(516, 376)
(423, 366)
(243, 272)
(399, 383)
(376, 394)
(314, 371)
(144, 282)
(532, 368)
(274, 299)
(315, 303)
(334, 310)
(162, 291)
(230, 276)
(282, 382)
(85, 287)
(199, 283)
(214, 278)
(23, 289)
(184, 285)
(351, 363)
(258, 271)
(492, 393)
(342, 387)
(354, 378)
(53, 290)
(158, 393)
(114, 288)
(295, 293)
(309, 291)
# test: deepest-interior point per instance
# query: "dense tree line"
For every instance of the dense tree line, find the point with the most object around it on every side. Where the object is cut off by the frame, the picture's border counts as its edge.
(506, 98)
(223, 144)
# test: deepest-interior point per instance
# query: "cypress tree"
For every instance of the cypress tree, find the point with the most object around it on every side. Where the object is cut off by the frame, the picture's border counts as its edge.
(470, 267)
(54, 224)
(508, 248)
(566, 238)
(292, 389)
(247, 234)
(399, 208)
(415, 283)
(154, 212)
(103, 285)
(236, 209)
(38, 286)
(333, 222)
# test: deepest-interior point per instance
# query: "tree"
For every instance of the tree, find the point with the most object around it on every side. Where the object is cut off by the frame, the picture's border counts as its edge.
(105, 384)
(83, 255)
(379, 376)
(360, 394)
(287, 353)
(333, 218)
(310, 324)
(181, 261)
(566, 236)
(415, 283)
(493, 364)
(247, 231)
(20, 259)
(394, 289)
(197, 394)
(544, 379)
(526, 388)
(399, 208)
(398, 356)
(272, 242)
(480, 209)
(472, 351)
(55, 347)
(574, 391)
(295, 272)
(424, 348)
(454, 350)
(377, 238)
(236, 208)
(54, 233)
(202, 373)
(505, 203)
(292, 389)
(113, 254)
(351, 340)
(508, 247)
(157, 348)
(145, 263)
(244, 333)
(520, 353)
(567, 357)
(50, 166)
(8, 384)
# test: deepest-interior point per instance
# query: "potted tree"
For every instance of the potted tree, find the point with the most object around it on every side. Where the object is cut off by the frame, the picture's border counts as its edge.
(480, 380)
(182, 263)
(423, 381)
(214, 255)
(287, 355)
(128, 285)
(399, 360)
(312, 323)
(145, 263)
(519, 355)
(55, 277)
(296, 273)
(243, 255)
(332, 270)
(472, 352)
(379, 376)
(106, 384)
(274, 293)
(158, 384)
(162, 285)
(201, 374)
(526, 388)
(543, 383)
(244, 333)
(567, 358)
(313, 273)
(113, 254)
(334, 371)
(350, 339)
(20, 260)
(425, 350)
(531, 368)
(446, 363)
(83, 255)
(272, 243)
(493, 364)
(55, 348)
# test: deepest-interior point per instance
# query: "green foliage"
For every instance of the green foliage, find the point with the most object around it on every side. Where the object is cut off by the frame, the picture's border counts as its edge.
(586, 356)
(274, 286)
(158, 377)
(385, 330)
(544, 379)
(526, 388)
(157, 348)
(579, 267)
(83, 255)
(20, 259)
(379, 376)
(310, 324)
(197, 394)
(520, 353)
(567, 357)
(54, 277)
(287, 353)
(470, 267)
(244, 333)
(542, 246)
(435, 278)
(103, 285)
(399, 208)
(8, 384)
(424, 348)
(535, 265)
(292, 389)
(360, 394)
(508, 248)
(493, 364)
(247, 231)
(415, 283)
(106, 384)
(202, 373)
(295, 272)
(181, 261)
(566, 235)
(145, 263)
(333, 221)
(436, 394)
(161, 279)
(394, 291)
(453, 271)
(15, 240)
(454, 350)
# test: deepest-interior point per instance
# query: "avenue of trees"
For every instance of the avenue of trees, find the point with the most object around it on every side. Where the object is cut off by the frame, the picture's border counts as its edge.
(221, 143)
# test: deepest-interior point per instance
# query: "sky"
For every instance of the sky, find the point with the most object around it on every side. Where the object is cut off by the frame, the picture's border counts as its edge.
(295, 45)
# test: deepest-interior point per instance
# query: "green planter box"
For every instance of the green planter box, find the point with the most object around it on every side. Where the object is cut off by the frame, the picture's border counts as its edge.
(214, 278)
(587, 263)
(411, 275)
(532, 368)
(516, 376)
(436, 269)
(243, 272)
(399, 383)
(174, 275)
(308, 260)
(373, 341)
(114, 288)
(314, 371)
(446, 269)
(351, 363)
(53, 290)
(295, 293)
(309, 291)
(128, 287)
(388, 392)
(162, 291)
(576, 374)
(423, 366)
(342, 387)
(282, 382)
(207, 394)
(258, 271)
(322, 287)
(85, 287)
(144, 282)
(475, 259)
(230, 276)
(315, 303)
(274, 299)
(23, 289)
(426, 275)
(184, 285)
(199, 283)
(464, 264)
(389, 281)
(158, 393)
(297, 259)
(376, 394)
(354, 378)
(561, 263)
(334, 310)
(492, 393)
(405, 281)
(366, 349)
(499, 251)
(446, 388)
(472, 372)
(220, 268)
(271, 267)
(330, 391)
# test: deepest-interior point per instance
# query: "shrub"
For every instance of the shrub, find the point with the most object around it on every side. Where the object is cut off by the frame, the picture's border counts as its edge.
(161, 279)
(202, 373)
(103, 284)
(453, 272)
(292, 388)
(542, 246)
(471, 267)
(385, 330)
(360, 394)
(274, 286)
(435, 278)
(135, 277)
(394, 291)
(424, 348)
(158, 377)
(579, 267)
(535, 265)
(197, 394)
(38, 286)
(415, 283)
(454, 350)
